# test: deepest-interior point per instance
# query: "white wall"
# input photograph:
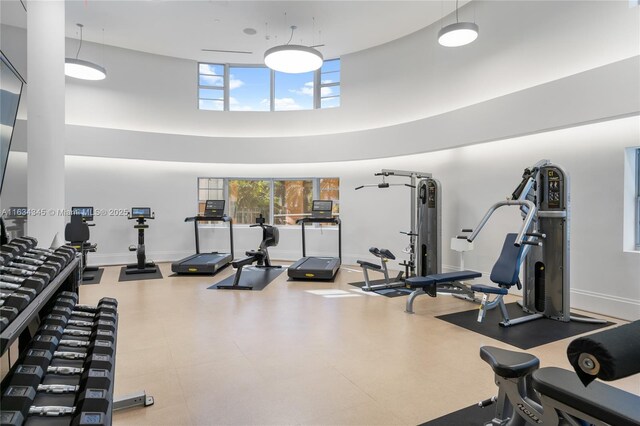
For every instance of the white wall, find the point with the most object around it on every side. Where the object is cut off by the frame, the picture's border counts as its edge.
(604, 277)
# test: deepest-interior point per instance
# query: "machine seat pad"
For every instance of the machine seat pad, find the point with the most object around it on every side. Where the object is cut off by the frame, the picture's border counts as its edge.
(369, 265)
(448, 277)
(420, 282)
(386, 254)
(606, 403)
(489, 289)
(509, 364)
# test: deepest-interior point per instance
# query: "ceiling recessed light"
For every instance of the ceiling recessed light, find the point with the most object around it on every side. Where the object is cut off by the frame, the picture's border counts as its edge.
(250, 31)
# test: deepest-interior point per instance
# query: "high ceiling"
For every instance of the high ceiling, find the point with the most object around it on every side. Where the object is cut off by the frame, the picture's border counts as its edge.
(182, 28)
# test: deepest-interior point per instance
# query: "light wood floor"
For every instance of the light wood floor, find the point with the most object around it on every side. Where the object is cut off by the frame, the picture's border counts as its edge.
(294, 353)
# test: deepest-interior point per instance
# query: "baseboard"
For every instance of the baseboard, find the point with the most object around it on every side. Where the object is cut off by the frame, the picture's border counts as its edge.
(605, 304)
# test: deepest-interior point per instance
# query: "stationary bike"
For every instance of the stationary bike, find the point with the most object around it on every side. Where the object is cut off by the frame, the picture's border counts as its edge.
(140, 215)
(270, 238)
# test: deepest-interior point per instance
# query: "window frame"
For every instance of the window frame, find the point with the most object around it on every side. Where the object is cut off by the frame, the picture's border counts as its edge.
(317, 85)
(316, 196)
(637, 221)
(224, 87)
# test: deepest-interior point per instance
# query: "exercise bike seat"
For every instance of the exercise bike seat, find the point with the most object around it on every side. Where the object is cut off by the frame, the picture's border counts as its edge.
(606, 403)
(369, 265)
(509, 364)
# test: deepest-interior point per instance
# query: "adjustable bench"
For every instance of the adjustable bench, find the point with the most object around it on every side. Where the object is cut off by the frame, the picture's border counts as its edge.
(446, 282)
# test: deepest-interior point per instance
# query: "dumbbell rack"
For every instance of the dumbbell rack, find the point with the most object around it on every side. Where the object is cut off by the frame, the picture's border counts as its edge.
(65, 370)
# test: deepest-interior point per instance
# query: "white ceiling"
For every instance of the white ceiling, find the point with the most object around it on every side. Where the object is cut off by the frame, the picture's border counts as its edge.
(182, 28)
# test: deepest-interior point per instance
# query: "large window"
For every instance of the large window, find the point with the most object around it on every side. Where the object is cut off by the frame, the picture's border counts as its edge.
(280, 201)
(224, 87)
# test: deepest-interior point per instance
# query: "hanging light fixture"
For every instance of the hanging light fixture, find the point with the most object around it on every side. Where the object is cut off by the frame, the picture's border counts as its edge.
(458, 34)
(83, 70)
(293, 58)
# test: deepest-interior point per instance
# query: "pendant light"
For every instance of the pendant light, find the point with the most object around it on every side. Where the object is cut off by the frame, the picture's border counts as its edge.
(458, 34)
(83, 70)
(293, 58)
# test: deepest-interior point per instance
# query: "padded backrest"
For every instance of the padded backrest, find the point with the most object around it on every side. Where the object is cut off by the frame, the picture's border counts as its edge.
(387, 254)
(76, 230)
(507, 268)
(271, 236)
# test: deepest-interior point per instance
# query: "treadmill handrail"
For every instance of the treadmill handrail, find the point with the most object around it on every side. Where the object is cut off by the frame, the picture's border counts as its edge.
(334, 219)
(199, 218)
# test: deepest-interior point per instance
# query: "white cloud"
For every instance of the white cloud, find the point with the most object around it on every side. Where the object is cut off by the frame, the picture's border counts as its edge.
(286, 104)
(234, 105)
(235, 83)
(306, 90)
(210, 80)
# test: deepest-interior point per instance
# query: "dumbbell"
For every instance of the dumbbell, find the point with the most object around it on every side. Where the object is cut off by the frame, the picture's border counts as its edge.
(16, 300)
(52, 344)
(26, 247)
(56, 263)
(63, 321)
(91, 408)
(9, 271)
(42, 358)
(33, 375)
(105, 311)
(26, 270)
(11, 282)
(60, 332)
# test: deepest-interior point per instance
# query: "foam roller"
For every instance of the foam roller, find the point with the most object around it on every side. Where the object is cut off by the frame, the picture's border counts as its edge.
(607, 355)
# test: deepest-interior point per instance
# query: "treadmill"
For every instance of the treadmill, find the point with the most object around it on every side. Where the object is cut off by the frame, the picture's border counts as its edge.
(316, 267)
(206, 263)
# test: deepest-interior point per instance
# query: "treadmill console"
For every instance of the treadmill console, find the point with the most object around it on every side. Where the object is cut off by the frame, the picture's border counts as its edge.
(322, 209)
(214, 208)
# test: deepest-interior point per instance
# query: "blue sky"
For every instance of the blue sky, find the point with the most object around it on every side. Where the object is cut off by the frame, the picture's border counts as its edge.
(249, 89)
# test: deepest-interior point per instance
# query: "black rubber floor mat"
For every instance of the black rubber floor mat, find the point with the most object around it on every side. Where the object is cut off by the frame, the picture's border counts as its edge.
(390, 292)
(469, 416)
(524, 336)
(139, 277)
(258, 278)
(96, 276)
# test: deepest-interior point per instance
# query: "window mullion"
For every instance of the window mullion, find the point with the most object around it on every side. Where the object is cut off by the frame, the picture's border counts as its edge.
(316, 89)
(272, 91)
(226, 87)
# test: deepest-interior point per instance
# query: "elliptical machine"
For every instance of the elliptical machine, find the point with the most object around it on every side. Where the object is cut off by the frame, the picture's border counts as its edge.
(270, 238)
(141, 215)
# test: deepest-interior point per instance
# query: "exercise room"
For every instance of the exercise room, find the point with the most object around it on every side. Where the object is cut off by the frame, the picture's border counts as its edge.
(326, 213)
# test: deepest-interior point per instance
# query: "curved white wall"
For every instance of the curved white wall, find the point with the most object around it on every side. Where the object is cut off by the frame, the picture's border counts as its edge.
(522, 44)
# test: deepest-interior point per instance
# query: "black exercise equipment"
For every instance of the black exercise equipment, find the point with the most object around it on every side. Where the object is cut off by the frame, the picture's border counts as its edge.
(141, 215)
(317, 267)
(206, 263)
(270, 238)
(384, 255)
(554, 396)
(77, 233)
